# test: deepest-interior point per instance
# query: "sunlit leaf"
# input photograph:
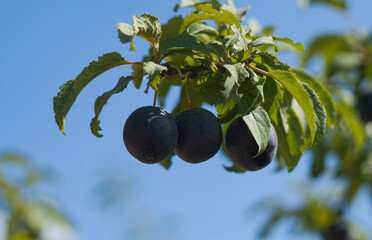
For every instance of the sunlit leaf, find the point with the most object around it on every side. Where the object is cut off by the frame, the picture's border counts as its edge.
(324, 96)
(308, 100)
(297, 46)
(207, 12)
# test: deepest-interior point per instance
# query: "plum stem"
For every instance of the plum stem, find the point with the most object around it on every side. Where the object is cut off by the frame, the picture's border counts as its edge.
(155, 96)
(187, 93)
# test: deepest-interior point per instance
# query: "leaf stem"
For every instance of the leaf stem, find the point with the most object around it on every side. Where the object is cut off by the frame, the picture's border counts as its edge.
(175, 66)
(138, 63)
(259, 70)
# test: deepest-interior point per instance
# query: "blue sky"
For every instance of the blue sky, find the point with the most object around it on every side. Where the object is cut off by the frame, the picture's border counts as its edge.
(45, 43)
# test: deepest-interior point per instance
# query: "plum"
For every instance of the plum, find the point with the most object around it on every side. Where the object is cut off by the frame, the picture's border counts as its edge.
(242, 147)
(337, 231)
(199, 135)
(365, 106)
(150, 134)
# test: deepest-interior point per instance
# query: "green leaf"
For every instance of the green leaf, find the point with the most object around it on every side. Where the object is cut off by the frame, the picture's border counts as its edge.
(209, 13)
(237, 74)
(154, 71)
(327, 46)
(14, 158)
(234, 169)
(268, 41)
(71, 89)
(186, 3)
(224, 108)
(338, 4)
(258, 122)
(294, 139)
(171, 28)
(286, 122)
(211, 88)
(236, 43)
(298, 46)
(324, 96)
(234, 75)
(196, 28)
(307, 99)
(356, 127)
(102, 100)
(320, 115)
(184, 42)
(137, 75)
(146, 27)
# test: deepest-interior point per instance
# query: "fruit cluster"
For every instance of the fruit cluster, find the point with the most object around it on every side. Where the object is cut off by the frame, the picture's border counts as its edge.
(151, 134)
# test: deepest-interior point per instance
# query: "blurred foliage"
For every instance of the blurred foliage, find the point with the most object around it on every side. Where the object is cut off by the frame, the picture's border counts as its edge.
(28, 215)
(318, 215)
(345, 61)
(337, 4)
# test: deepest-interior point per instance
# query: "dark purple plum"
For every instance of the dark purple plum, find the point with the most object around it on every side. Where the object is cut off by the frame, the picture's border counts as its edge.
(241, 146)
(337, 231)
(150, 134)
(199, 135)
(365, 106)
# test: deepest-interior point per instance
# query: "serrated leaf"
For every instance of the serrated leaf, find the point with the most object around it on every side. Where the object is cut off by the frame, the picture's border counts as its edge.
(355, 126)
(298, 46)
(184, 42)
(320, 115)
(264, 41)
(146, 27)
(237, 73)
(324, 96)
(209, 13)
(258, 122)
(236, 43)
(154, 71)
(71, 89)
(102, 100)
(307, 99)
